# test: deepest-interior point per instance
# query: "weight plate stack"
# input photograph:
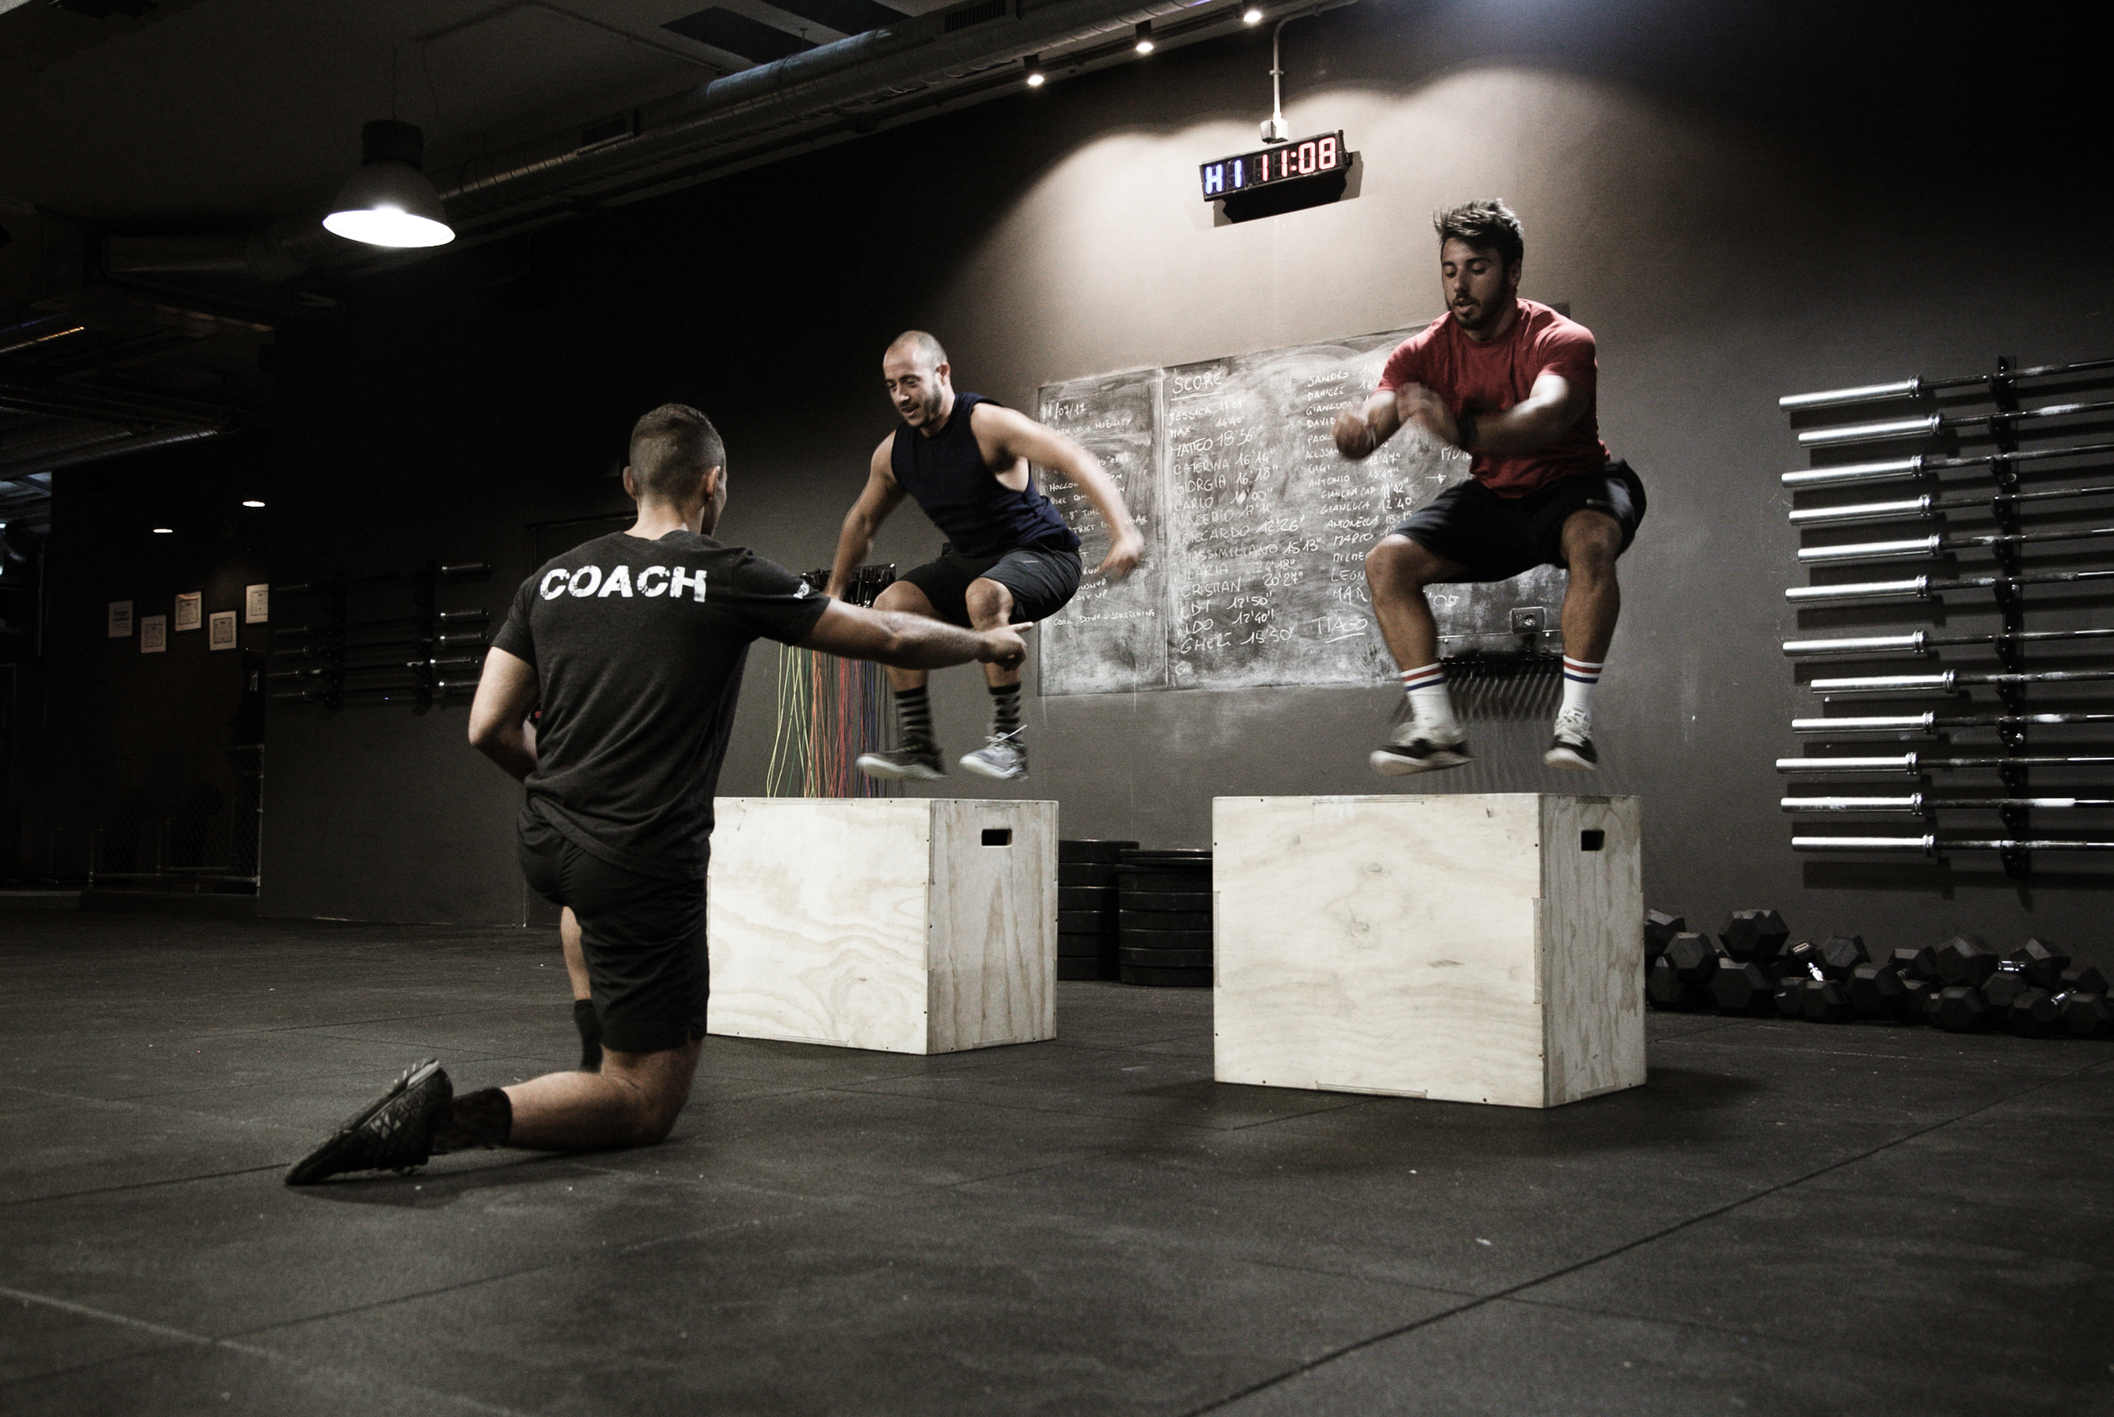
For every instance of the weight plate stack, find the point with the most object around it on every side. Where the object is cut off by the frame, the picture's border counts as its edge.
(1087, 907)
(1163, 918)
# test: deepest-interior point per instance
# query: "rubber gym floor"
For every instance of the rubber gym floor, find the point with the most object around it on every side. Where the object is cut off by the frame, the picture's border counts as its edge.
(1788, 1218)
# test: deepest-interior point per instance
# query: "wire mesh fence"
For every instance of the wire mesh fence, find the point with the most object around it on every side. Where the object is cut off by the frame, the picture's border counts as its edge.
(183, 820)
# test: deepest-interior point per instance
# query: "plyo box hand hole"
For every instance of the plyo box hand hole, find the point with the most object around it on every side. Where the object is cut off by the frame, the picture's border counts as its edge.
(998, 836)
(1587, 840)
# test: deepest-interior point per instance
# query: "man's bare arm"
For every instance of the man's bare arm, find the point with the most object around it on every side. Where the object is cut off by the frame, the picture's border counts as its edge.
(1004, 433)
(1548, 411)
(1360, 429)
(881, 495)
(910, 641)
(506, 694)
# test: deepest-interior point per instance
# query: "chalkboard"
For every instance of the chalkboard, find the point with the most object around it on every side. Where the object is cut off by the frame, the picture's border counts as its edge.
(1255, 528)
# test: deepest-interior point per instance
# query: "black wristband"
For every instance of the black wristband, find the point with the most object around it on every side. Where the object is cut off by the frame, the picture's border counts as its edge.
(1464, 425)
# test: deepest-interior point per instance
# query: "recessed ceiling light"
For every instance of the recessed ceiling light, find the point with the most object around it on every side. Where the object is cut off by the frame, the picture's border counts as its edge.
(165, 531)
(251, 502)
(1145, 36)
(1253, 15)
(1036, 78)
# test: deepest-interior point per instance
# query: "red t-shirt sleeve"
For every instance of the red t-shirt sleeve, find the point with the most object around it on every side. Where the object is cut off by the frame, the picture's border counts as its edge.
(1567, 350)
(1406, 364)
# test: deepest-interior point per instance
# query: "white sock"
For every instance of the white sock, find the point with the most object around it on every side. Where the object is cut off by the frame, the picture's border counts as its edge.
(1579, 679)
(1429, 706)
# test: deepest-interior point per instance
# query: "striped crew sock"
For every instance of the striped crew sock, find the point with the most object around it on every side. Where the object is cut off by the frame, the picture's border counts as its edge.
(1579, 678)
(914, 715)
(1429, 706)
(1005, 709)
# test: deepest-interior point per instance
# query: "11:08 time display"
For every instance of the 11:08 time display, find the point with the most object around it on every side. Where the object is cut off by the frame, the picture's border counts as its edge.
(1308, 157)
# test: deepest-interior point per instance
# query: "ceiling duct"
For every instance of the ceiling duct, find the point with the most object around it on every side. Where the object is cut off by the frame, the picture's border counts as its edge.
(93, 443)
(916, 53)
(282, 251)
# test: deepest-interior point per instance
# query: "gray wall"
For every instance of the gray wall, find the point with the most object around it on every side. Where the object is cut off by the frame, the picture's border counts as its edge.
(1740, 205)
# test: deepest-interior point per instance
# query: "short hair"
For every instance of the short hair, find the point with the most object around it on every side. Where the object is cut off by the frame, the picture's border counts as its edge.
(672, 448)
(1487, 225)
(925, 345)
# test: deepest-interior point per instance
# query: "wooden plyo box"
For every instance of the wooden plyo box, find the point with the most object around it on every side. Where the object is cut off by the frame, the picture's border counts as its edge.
(1470, 947)
(910, 925)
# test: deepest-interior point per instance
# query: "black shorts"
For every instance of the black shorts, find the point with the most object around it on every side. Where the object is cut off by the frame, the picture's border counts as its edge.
(1042, 579)
(1497, 538)
(643, 936)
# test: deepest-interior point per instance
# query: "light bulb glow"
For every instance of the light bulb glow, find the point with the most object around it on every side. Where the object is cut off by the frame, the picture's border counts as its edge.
(1253, 15)
(1035, 80)
(1145, 36)
(387, 226)
(1144, 46)
(251, 502)
(165, 531)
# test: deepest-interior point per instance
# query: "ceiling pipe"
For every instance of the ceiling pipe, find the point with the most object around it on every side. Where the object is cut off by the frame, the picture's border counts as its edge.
(285, 250)
(899, 58)
(117, 442)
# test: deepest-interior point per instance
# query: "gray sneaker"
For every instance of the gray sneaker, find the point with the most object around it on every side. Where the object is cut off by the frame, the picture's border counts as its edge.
(1414, 748)
(913, 759)
(1003, 756)
(1571, 745)
(392, 1133)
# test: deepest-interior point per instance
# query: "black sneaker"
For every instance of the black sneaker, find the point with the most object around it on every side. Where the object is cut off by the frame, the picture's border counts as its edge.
(918, 760)
(1572, 745)
(392, 1133)
(1412, 748)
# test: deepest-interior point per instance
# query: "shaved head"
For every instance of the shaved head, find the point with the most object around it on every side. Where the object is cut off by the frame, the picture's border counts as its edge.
(919, 346)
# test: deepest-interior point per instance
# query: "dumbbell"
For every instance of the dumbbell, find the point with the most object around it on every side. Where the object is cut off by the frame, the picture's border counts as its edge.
(1917, 963)
(2005, 984)
(2035, 1013)
(1680, 978)
(2088, 1015)
(1918, 997)
(1878, 991)
(1841, 954)
(1803, 961)
(1659, 927)
(2042, 963)
(1743, 987)
(2083, 979)
(1754, 934)
(1960, 1008)
(1966, 959)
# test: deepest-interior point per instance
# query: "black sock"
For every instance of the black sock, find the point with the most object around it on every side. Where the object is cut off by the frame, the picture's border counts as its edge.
(480, 1118)
(914, 715)
(590, 1025)
(1005, 710)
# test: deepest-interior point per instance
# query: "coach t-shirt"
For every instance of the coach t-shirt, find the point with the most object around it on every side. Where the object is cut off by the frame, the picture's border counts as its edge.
(638, 647)
(1493, 377)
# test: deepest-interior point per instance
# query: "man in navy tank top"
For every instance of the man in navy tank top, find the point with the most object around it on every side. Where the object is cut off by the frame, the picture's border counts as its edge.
(1009, 557)
(1512, 382)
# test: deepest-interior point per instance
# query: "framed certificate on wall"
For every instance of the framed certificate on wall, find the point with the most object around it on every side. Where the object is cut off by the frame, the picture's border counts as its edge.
(153, 634)
(222, 633)
(188, 606)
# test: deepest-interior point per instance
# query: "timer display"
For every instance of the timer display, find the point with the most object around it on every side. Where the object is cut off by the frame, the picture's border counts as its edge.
(1308, 157)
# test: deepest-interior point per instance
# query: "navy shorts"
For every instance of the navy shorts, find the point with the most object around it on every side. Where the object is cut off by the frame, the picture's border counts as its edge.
(1497, 538)
(1042, 579)
(643, 937)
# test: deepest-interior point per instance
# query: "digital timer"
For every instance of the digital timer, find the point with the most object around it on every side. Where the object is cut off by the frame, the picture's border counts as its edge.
(1308, 157)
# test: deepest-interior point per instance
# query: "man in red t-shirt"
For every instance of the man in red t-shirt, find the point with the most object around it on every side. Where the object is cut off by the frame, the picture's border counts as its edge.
(1511, 381)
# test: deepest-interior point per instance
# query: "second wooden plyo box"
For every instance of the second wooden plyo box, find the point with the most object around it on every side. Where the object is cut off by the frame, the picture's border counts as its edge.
(1473, 947)
(908, 925)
